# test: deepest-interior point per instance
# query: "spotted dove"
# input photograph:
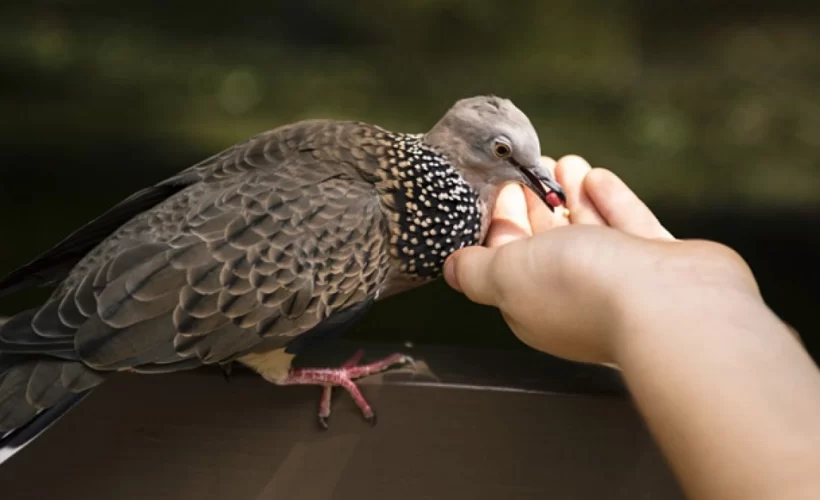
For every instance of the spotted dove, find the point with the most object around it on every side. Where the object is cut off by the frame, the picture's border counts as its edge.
(257, 252)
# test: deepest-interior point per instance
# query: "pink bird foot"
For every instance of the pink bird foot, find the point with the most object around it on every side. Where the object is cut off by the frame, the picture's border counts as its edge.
(344, 377)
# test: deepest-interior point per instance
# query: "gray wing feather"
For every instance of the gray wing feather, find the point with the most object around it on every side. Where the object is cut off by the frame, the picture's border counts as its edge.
(76, 377)
(276, 236)
(44, 389)
(231, 287)
(14, 408)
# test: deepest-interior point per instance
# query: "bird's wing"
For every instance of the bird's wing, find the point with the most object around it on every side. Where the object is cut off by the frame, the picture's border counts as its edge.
(267, 258)
(55, 264)
(321, 146)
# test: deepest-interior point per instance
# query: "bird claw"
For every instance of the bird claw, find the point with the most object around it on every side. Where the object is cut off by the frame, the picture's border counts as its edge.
(323, 422)
(344, 376)
(356, 371)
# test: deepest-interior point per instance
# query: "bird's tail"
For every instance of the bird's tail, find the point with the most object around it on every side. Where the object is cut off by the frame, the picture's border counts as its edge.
(13, 441)
(37, 387)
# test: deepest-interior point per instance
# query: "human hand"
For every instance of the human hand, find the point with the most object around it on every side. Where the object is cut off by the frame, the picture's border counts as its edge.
(709, 366)
(570, 290)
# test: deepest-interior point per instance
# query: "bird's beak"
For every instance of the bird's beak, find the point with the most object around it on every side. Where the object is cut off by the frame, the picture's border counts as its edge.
(543, 183)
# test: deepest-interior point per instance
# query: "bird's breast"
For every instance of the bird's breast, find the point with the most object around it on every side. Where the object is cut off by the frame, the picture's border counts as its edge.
(433, 210)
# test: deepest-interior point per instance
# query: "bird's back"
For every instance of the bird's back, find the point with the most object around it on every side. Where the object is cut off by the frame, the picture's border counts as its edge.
(292, 158)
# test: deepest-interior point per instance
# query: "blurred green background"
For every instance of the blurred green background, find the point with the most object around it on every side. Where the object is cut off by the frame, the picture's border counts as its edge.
(711, 113)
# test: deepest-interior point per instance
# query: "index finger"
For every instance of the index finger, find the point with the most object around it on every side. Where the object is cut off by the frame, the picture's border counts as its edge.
(571, 171)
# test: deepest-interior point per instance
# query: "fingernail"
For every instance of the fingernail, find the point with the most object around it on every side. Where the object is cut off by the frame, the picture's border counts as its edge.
(450, 273)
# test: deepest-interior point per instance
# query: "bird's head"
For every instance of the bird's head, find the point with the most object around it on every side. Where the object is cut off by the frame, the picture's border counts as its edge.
(492, 142)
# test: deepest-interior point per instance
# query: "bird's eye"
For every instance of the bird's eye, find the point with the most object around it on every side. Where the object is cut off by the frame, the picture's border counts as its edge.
(501, 149)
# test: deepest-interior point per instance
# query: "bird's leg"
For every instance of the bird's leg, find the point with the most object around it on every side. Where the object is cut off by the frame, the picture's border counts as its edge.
(343, 377)
(327, 390)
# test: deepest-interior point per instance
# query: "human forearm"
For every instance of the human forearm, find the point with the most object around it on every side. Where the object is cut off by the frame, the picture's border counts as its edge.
(730, 395)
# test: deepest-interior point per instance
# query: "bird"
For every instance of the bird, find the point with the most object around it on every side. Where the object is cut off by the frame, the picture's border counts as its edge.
(259, 252)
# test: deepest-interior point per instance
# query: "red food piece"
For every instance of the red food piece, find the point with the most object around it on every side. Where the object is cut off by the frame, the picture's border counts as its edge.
(553, 199)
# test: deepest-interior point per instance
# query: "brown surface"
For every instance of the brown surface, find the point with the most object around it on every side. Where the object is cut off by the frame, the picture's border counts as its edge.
(195, 436)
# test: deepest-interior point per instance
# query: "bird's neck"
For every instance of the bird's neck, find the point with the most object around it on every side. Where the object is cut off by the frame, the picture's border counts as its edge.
(434, 210)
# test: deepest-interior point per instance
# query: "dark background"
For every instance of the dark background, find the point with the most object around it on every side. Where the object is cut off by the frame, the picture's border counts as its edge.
(712, 114)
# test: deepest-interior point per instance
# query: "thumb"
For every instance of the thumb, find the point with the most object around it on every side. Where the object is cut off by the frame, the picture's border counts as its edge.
(468, 271)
